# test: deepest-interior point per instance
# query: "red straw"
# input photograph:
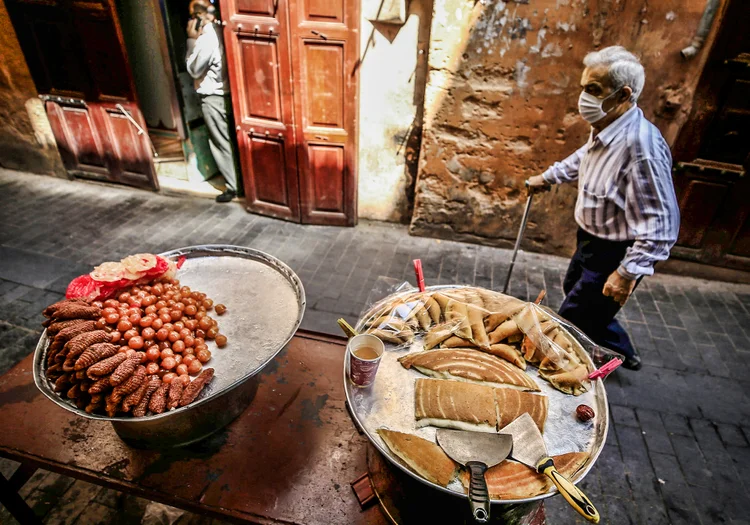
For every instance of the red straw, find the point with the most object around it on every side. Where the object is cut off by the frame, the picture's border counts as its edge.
(419, 274)
(606, 369)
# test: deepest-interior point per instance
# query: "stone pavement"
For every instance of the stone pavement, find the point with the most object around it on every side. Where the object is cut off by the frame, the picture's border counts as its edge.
(680, 427)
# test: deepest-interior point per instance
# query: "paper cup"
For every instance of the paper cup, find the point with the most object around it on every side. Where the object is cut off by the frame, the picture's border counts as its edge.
(362, 371)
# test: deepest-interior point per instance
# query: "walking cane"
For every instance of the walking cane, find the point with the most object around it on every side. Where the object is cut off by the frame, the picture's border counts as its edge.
(524, 220)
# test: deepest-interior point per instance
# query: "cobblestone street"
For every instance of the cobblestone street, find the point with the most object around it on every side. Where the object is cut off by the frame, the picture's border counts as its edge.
(678, 439)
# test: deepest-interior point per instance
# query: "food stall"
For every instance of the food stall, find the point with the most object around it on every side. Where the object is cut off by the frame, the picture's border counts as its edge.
(150, 372)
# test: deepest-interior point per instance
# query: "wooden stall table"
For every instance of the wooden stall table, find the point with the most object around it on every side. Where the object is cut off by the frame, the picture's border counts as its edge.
(289, 458)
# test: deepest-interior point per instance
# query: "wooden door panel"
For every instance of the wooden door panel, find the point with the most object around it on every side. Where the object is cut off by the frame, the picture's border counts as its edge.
(699, 204)
(323, 91)
(324, 10)
(258, 64)
(328, 178)
(260, 69)
(87, 146)
(256, 7)
(130, 148)
(267, 162)
(77, 58)
(325, 50)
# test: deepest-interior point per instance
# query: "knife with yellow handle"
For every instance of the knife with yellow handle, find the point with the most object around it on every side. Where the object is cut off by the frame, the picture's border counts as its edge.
(577, 499)
(529, 449)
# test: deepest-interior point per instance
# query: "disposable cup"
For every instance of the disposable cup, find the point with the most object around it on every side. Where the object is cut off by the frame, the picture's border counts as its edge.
(362, 371)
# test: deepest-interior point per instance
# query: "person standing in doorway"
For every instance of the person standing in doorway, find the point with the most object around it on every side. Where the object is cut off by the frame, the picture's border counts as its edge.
(205, 63)
(627, 212)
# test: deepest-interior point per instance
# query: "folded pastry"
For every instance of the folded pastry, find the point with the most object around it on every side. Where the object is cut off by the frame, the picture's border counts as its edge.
(513, 403)
(476, 323)
(457, 312)
(574, 382)
(507, 352)
(424, 457)
(465, 364)
(454, 404)
(512, 480)
(437, 334)
(503, 331)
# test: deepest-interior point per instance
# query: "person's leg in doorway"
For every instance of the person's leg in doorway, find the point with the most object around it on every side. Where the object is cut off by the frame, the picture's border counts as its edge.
(215, 115)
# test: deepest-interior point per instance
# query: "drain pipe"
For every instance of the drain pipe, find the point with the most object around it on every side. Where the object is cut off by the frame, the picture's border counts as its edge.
(704, 26)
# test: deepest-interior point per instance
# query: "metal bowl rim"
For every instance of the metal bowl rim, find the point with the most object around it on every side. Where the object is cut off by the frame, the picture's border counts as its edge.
(580, 475)
(287, 272)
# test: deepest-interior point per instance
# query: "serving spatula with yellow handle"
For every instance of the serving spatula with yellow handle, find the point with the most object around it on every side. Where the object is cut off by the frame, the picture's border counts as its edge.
(529, 449)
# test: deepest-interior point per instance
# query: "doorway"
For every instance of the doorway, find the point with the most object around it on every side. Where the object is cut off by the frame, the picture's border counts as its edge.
(713, 154)
(81, 70)
(293, 71)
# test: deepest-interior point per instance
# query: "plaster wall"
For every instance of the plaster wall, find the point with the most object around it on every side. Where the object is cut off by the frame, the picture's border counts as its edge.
(393, 62)
(26, 139)
(501, 106)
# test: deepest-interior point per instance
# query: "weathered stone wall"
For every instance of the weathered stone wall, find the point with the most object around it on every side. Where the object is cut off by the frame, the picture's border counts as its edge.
(501, 105)
(26, 140)
(391, 101)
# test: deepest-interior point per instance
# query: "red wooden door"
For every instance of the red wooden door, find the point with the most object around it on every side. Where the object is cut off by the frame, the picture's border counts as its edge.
(292, 70)
(77, 58)
(257, 49)
(714, 153)
(325, 52)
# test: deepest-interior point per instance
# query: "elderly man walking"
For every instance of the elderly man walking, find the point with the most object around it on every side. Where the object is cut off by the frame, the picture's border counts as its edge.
(626, 210)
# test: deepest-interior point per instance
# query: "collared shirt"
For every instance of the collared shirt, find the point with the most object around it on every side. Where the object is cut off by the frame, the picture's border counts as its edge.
(625, 190)
(205, 62)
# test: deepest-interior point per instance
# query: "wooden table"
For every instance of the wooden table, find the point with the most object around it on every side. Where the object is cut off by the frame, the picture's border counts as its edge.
(289, 458)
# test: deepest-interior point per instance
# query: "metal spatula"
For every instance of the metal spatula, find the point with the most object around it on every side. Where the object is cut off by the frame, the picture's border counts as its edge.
(529, 449)
(477, 451)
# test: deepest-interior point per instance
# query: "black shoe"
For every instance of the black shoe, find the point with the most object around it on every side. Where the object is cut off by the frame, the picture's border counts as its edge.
(633, 362)
(227, 196)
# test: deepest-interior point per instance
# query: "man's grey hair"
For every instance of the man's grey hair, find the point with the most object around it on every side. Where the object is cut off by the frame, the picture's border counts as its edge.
(624, 68)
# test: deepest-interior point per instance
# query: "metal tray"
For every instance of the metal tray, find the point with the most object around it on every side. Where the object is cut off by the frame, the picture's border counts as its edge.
(389, 403)
(265, 303)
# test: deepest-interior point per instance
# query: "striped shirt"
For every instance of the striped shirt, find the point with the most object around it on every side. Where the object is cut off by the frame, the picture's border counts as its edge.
(625, 190)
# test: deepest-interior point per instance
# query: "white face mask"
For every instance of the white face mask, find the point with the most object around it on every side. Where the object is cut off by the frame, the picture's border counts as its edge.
(590, 107)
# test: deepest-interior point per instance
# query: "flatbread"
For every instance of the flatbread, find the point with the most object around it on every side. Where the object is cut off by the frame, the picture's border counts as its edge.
(424, 457)
(512, 403)
(466, 364)
(512, 480)
(455, 404)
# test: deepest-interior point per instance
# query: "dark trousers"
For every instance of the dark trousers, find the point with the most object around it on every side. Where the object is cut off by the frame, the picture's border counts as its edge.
(585, 306)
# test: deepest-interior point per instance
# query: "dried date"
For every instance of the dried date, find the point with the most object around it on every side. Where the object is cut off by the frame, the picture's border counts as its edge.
(196, 386)
(130, 385)
(126, 368)
(176, 388)
(76, 310)
(153, 384)
(584, 413)
(94, 354)
(106, 366)
(158, 402)
(79, 343)
(135, 397)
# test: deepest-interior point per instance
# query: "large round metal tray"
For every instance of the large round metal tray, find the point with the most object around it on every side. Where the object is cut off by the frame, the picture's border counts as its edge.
(265, 303)
(389, 403)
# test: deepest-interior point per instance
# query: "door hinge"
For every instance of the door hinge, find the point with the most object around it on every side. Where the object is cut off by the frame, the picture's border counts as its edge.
(65, 101)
